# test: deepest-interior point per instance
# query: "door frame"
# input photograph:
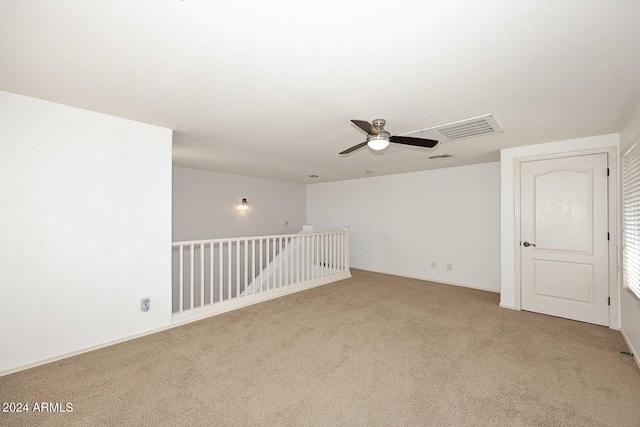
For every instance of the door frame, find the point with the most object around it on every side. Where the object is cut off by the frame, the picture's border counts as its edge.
(612, 212)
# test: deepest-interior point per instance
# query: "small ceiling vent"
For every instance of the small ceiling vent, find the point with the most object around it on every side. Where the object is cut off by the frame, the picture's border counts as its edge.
(440, 156)
(463, 129)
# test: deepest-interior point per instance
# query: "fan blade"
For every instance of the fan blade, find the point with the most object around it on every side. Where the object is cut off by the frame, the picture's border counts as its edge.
(418, 142)
(354, 148)
(365, 126)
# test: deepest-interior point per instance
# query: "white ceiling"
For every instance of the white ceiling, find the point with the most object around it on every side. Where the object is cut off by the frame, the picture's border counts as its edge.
(267, 88)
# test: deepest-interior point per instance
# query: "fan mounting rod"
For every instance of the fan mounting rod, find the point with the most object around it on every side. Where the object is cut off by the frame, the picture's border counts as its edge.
(379, 123)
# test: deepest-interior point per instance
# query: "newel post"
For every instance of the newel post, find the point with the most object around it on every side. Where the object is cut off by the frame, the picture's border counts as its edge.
(347, 249)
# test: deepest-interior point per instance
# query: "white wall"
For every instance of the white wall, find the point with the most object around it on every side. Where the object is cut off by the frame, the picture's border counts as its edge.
(629, 305)
(402, 223)
(507, 201)
(85, 208)
(205, 205)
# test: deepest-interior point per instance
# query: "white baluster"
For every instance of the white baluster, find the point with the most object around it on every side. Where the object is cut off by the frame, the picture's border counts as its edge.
(253, 265)
(181, 296)
(211, 271)
(327, 252)
(341, 252)
(322, 257)
(339, 243)
(281, 258)
(314, 253)
(290, 261)
(318, 255)
(191, 258)
(261, 265)
(336, 255)
(238, 268)
(333, 251)
(221, 268)
(283, 261)
(246, 266)
(328, 261)
(201, 274)
(268, 267)
(301, 260)
(310, 262)
(305, 245)
(229, 256)
(274, 283)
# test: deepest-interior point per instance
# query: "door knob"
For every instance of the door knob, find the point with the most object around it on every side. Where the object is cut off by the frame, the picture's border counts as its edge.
(527, 244)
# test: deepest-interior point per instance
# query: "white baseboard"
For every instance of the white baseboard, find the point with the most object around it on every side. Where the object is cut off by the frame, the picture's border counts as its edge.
(636, 356)
(61, 356)
(510, 307)
(224, 307)
(188, 317)
(426, 279)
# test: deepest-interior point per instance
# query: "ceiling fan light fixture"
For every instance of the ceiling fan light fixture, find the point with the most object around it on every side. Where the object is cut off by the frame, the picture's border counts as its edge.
(378, 143)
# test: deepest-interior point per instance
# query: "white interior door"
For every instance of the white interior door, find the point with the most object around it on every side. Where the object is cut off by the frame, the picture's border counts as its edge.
(564, 234)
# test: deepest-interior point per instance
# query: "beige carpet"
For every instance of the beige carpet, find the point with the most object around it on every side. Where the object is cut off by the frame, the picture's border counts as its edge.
(374, 350)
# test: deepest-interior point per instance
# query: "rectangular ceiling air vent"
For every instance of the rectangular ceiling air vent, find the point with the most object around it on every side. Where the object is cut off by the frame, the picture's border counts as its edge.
(462, 129)
(441, 156)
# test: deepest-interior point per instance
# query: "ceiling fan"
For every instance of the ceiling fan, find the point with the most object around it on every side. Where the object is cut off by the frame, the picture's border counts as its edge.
(378, 138)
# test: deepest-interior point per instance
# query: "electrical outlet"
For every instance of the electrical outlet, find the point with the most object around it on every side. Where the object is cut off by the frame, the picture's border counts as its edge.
(449, 266)
(145, 303)
(433, 264)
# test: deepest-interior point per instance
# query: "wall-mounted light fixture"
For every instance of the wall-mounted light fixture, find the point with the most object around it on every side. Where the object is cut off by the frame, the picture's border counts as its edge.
(243, 205)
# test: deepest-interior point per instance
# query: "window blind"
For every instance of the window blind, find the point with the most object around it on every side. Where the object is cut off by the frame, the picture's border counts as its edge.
(631, 221)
